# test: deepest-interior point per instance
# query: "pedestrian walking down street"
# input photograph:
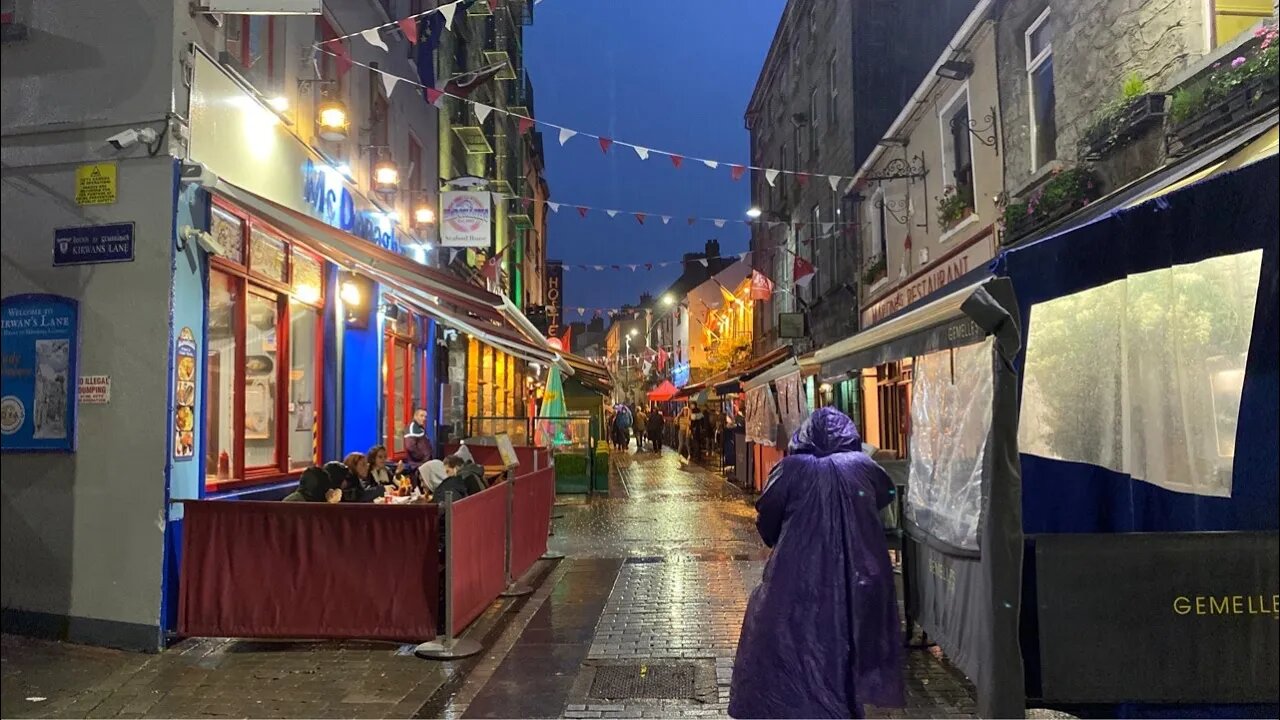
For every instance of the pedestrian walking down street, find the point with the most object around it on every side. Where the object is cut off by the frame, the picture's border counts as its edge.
(684, 428)
(821, 636)
(642, 422)
(656, 424)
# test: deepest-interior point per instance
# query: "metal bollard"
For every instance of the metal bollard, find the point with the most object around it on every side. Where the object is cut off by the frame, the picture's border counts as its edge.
(446, 646)
(514, 589)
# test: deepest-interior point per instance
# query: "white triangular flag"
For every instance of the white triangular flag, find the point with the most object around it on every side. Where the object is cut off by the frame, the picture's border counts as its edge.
(581, 311)
(711, 164)
(827, 227)
(555, 207)
(642, 152)
(371, 36)
(482, 111)
(447, 11)
(666, 219)
(633, 267)
(719, 223)
(598, 267)
(743, 256)
(565, 134)
(770, 176)
(833, 181)
(389, 82)
(611, 213)
(703, 261)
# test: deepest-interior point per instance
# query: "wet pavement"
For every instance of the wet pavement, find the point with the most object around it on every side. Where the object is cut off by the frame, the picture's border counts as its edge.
(640, 619)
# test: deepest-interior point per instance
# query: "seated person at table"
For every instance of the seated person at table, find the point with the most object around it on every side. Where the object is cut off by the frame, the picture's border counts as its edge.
(314, 486)
(468, 472)
(417, 446)
(456, 482)
(430, 474)
(379, 471)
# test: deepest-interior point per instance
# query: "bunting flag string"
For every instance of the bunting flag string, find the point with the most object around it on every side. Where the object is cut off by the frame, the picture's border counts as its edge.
(565, 134)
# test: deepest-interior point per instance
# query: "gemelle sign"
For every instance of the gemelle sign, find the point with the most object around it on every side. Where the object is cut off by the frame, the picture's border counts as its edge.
(465, 219)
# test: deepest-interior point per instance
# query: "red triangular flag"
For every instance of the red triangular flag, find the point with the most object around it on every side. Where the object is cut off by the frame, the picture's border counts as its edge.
(736, 171)
(582, 211)
(616, 267)
(433, 95)
(525, 124)
(341, 58)
(693, 220)
(640, 218)
(604, 144)
(802, 271)
(648, 266)
(493, 5)
(409, 26)
(676, 160)
(802, 178)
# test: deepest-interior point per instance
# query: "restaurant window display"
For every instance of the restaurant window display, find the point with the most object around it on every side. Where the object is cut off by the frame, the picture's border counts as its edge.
(264, 345)
(886, 390)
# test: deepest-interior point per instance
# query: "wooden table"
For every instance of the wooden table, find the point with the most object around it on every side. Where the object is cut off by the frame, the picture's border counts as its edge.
(494, 473)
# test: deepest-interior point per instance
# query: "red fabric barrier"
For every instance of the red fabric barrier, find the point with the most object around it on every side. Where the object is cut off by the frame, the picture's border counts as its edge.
(535, 493)
(309, 570)
(766, 457)
(479, 554)
(489, 455)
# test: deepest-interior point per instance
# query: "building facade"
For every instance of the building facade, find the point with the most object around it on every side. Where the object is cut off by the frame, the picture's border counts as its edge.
(806, 115)
(270, 304)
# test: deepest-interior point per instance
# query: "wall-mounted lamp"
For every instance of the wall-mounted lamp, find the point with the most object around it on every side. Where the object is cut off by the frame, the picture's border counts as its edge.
(331, 120)
(386, 177)
(423, 214)
(955, 69)
(350, 292)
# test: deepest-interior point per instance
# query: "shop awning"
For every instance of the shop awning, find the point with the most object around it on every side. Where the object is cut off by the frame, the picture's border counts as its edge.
(589, 374)
(952, 320)
(764, 362)
(782, 369)
(450, 300)
(690, 390)
(663, 392)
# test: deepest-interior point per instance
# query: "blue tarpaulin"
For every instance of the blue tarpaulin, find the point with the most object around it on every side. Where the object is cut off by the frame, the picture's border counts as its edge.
(1225, 214)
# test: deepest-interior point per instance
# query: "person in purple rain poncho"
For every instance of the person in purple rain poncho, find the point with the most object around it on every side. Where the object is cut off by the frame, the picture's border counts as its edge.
(821, 637)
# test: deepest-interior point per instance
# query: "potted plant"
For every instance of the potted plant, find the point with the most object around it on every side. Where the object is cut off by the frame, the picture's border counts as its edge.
(1062, 194)
(877, 268)
(1231, 94)
(954, 205)
(1122, 119)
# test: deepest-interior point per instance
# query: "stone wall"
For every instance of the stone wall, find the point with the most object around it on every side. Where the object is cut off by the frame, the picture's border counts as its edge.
(1097, 44)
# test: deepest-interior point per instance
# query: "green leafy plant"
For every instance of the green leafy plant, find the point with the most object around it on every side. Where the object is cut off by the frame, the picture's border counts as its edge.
(1067, 191)
(1105, 123)
(874, 270)
(1260, 63)
(1134, 86)
(955, 205)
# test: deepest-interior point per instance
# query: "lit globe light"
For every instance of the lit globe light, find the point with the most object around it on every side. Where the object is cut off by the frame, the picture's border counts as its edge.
(332, 119)
(350, 293)
(386, 177)
(668, 299)
(634, 332)
(754, 213)
(424, 215)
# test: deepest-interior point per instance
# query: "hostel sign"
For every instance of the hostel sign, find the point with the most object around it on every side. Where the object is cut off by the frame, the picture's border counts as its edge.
(555, 298)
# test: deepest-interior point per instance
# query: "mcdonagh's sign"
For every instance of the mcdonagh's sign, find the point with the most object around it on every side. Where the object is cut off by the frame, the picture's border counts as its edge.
(929, 280)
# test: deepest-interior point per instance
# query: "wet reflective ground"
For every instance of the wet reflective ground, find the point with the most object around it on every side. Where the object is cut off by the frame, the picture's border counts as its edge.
(640, 619)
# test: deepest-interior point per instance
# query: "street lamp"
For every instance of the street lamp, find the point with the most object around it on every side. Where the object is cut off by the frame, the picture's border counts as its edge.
(668, 300)
(754, 213)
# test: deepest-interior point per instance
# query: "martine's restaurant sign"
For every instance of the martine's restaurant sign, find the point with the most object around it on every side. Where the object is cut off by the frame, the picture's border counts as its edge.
(929, 281)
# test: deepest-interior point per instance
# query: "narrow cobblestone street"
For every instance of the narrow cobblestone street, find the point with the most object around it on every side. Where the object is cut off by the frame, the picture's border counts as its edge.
(653, 587)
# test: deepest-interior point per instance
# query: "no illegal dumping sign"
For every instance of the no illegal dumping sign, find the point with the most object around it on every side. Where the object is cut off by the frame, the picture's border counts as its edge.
(96, 184)
(95, 389)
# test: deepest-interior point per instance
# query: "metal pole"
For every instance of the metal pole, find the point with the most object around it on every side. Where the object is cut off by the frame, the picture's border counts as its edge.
(448, 647)
(514, 589)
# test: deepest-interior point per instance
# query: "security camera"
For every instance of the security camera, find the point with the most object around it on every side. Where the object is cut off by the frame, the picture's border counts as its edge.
(194, 173)
(131, 137)
(206, 241)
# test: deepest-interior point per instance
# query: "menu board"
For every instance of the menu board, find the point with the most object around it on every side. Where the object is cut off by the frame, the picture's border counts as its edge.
(507, 450)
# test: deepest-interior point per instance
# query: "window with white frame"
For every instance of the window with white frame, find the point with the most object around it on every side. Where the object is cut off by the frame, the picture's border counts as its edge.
(833, 89)
(957, 156)
(813, 122)
(1040, 91)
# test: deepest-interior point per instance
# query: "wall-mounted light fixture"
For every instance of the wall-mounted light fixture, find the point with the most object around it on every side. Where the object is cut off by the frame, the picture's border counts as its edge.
(332, 122)
(386, 177)
(955, 69)
(350, 292)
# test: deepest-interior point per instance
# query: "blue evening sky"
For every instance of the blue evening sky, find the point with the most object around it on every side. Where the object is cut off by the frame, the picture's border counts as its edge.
(668, 74)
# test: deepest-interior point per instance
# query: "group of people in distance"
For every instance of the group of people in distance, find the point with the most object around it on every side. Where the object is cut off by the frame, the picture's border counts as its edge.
(696, 429)
(370, 478)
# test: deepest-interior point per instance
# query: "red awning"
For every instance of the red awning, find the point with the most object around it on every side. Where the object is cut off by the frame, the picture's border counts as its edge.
(663, 392)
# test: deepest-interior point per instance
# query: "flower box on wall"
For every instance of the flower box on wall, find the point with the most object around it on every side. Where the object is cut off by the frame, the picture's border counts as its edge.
(1241, 104)
(1062, 194)
(1115, 130)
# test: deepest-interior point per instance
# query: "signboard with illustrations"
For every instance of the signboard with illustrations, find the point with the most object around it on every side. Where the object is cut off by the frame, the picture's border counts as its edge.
(39, 383)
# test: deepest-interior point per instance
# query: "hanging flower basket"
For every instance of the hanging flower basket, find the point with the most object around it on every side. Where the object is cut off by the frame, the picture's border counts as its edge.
(876, 269)
(1121, 127)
